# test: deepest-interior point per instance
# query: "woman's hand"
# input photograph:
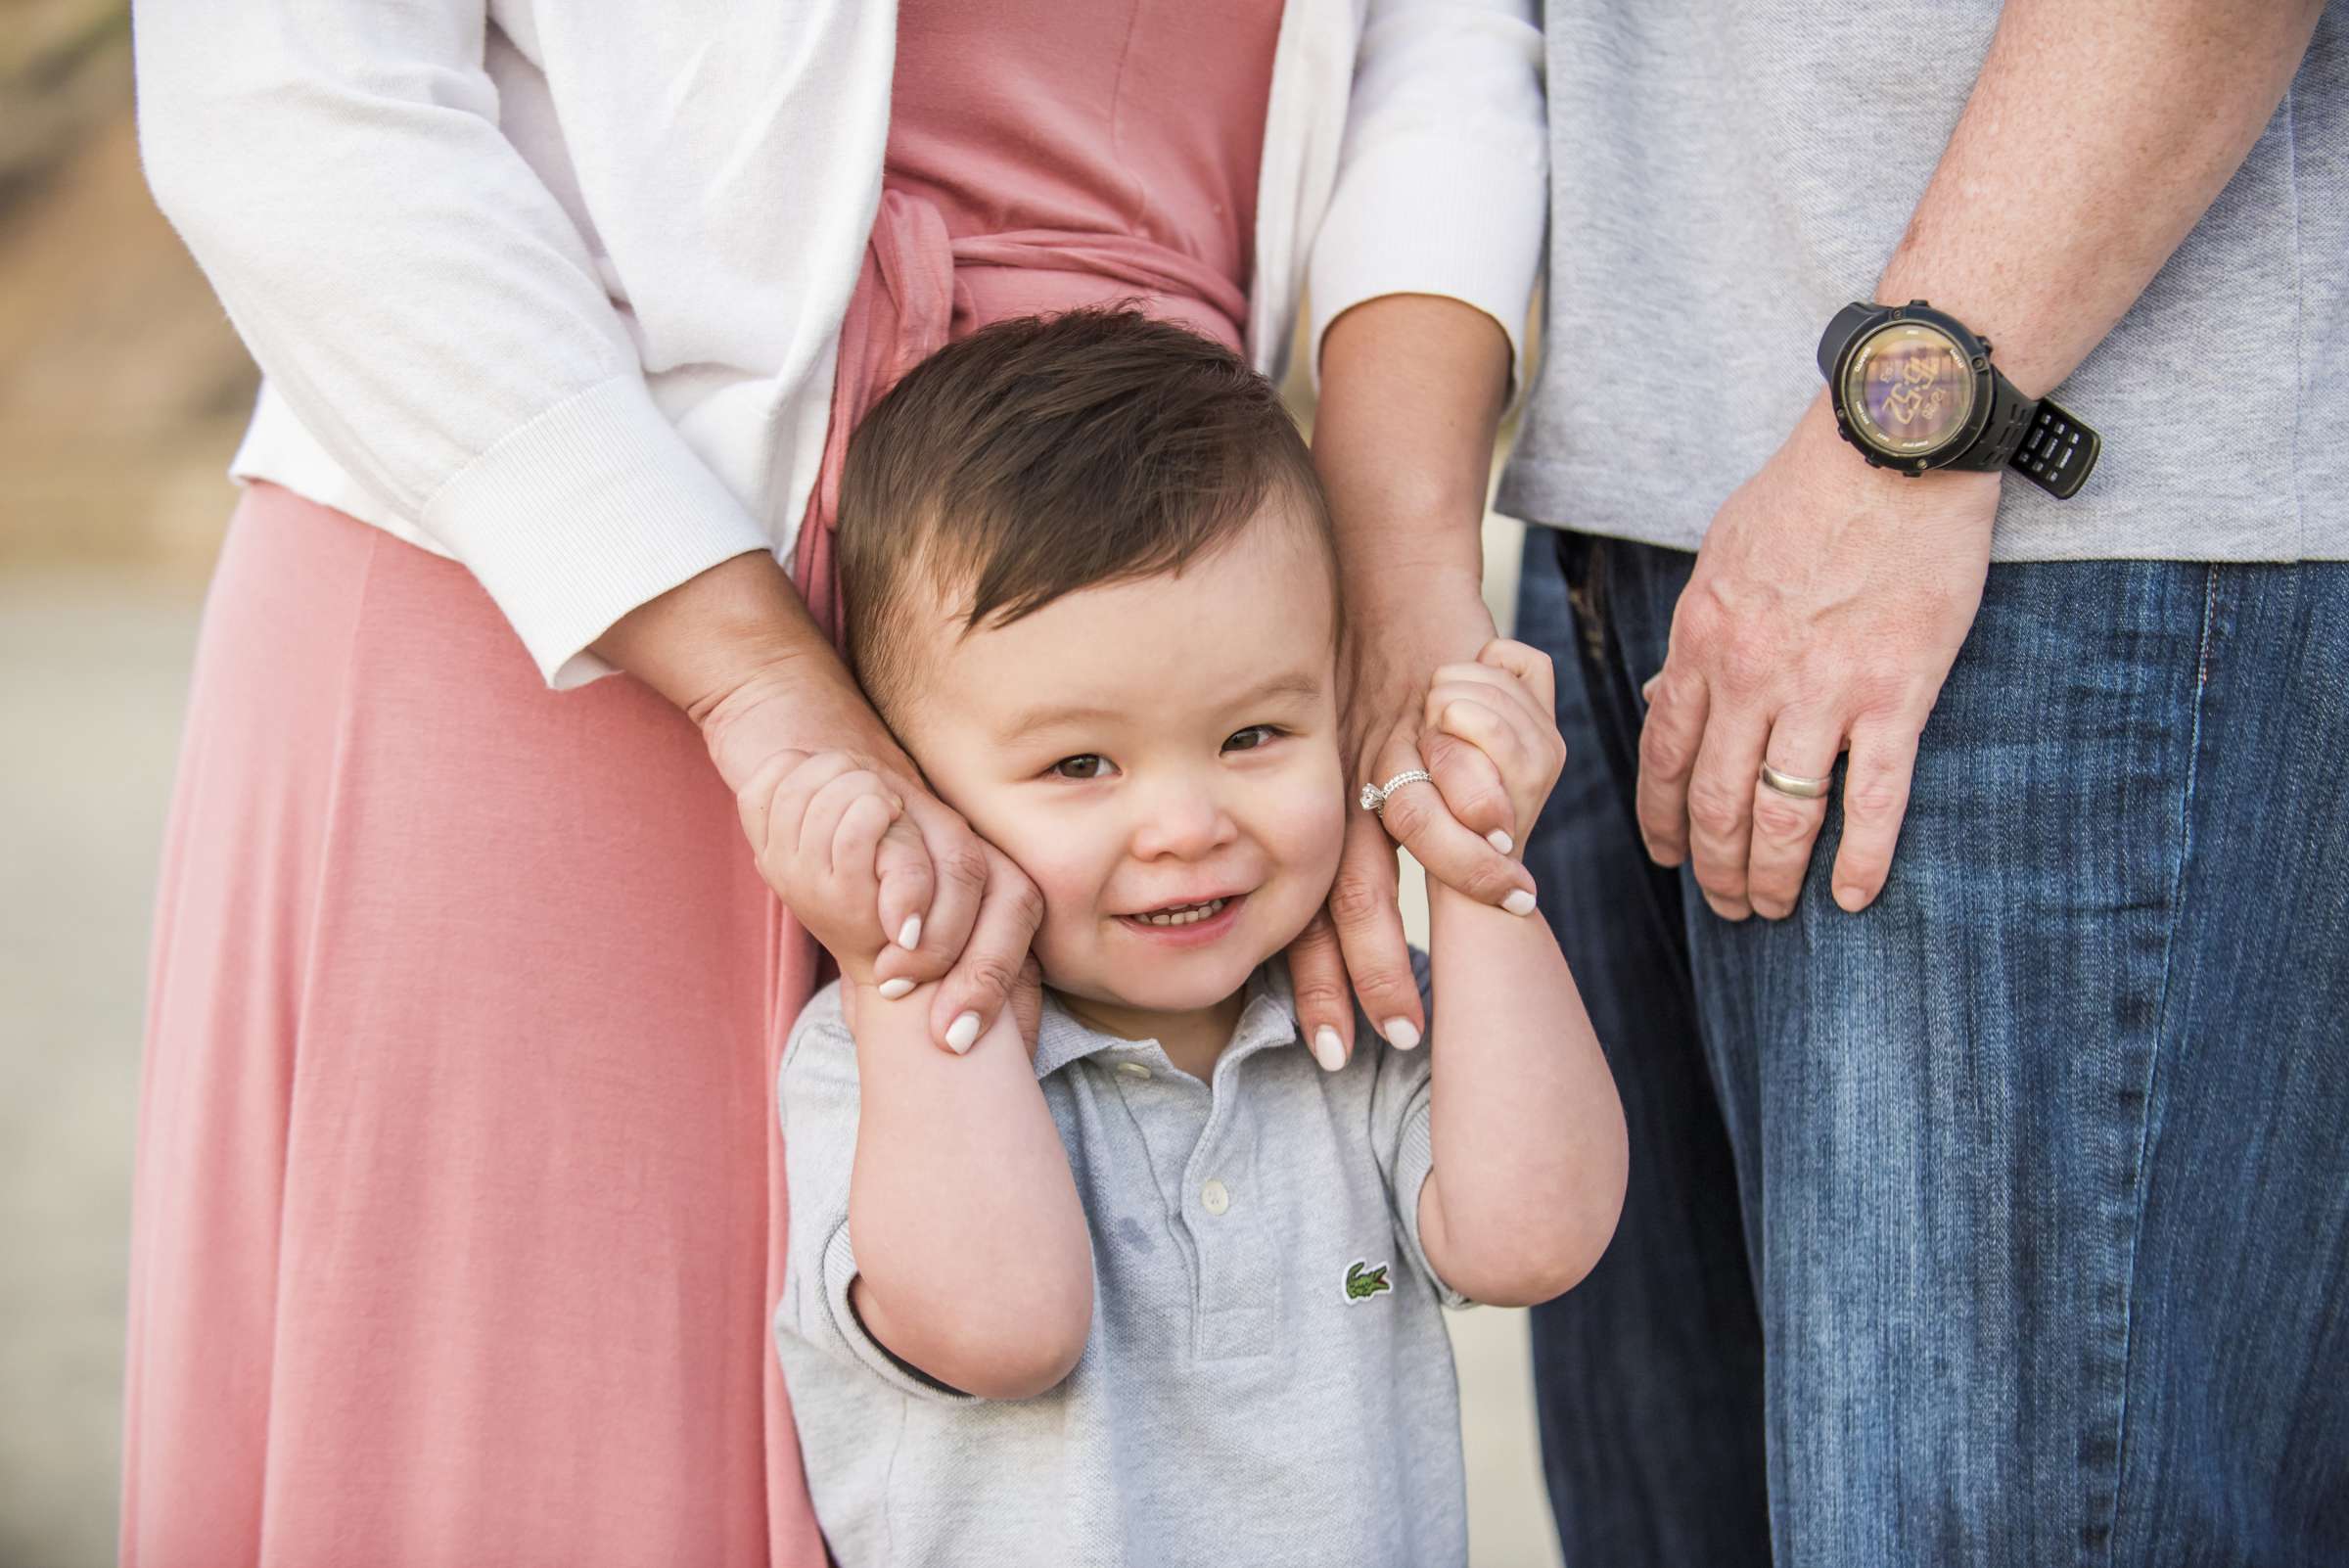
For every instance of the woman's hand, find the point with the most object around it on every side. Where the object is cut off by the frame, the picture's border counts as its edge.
(796, 741)
(1411, 390)
(1456, 829)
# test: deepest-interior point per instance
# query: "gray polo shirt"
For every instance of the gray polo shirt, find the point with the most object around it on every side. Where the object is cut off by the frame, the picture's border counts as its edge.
(1238, 1400)
(1725, 175)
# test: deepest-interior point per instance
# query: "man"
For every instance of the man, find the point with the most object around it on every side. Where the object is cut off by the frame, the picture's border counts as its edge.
(1959, 874)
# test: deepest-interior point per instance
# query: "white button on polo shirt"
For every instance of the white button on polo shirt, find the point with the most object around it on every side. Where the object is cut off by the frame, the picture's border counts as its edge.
(1134, 1069)
(1216, 1195)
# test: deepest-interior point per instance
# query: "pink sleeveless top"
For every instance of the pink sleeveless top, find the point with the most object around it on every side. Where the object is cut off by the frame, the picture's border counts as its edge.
(1045, 157)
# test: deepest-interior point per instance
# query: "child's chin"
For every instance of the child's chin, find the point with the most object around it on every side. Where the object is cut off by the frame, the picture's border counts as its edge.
(1174, 987)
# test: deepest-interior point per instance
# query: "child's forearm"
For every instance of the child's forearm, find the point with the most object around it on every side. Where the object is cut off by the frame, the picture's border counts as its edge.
(972, 1257)
(1530, 1152)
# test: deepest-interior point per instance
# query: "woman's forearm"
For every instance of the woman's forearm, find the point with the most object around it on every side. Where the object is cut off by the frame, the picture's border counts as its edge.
(1413, 388)
(973, 1260)
(1527, 1132)
(736, 650)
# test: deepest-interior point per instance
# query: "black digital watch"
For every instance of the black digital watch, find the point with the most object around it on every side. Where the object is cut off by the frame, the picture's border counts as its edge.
(1914, 390)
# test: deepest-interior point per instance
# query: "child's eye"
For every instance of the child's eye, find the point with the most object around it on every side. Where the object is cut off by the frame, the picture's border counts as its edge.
(1089, 764)
(1249, 739)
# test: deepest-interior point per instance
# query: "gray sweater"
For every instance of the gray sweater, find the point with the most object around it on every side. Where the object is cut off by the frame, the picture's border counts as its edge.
(1728, 174)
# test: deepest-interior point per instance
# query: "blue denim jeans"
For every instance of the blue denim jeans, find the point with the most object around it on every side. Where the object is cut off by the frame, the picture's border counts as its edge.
(2008, 1221)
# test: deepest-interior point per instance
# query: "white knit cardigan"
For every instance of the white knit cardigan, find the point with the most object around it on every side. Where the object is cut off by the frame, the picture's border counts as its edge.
(552, 286)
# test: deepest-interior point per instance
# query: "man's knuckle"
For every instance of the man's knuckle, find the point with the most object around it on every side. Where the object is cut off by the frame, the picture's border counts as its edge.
(1661, 753)
(1716, 808)
(1873, 798)
(1723, 882)
(1745, 664)
(1698, 619)
(1783, 819)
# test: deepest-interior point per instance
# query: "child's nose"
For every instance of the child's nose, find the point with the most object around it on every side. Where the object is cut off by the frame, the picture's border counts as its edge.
(1184, 823)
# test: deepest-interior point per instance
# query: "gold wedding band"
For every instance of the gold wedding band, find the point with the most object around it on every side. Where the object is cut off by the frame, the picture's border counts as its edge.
(1802, 789)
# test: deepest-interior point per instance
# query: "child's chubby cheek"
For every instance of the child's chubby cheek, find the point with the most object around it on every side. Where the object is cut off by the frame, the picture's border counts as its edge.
(1309, 835)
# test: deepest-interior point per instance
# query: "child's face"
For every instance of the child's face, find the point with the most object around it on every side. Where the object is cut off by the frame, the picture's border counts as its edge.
(1151, 744)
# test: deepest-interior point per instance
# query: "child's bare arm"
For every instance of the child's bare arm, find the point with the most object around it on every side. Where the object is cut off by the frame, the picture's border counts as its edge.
(973, 1262)
(1528, 1134)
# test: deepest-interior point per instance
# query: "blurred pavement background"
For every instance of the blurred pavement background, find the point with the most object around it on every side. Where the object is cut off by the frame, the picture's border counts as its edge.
(122, 391)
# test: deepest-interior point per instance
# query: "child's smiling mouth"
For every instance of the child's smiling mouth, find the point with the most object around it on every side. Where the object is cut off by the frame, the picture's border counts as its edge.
(1188, 924)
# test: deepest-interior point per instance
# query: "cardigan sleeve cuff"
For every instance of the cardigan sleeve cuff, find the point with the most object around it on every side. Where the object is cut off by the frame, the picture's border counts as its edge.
(590, 510)
(1463, 223)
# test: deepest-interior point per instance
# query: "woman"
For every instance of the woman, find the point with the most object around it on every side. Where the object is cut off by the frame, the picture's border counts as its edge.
(457, 1188)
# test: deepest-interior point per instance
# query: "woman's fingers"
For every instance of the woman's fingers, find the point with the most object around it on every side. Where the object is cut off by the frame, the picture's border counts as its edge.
(979, 984)
(1027, 1002)
(902, 864)
(1802, 744)
(1416, 817)
(1372, 961)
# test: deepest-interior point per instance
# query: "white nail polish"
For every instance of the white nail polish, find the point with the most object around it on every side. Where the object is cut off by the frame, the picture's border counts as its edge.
(1518, 902)
(1329, 1049)
(963, 1033)
(1501, 841)
(909, 935)
(1401, 1034)
(894, 988)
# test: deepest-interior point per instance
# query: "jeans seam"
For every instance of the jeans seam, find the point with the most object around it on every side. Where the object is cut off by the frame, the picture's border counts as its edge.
(2162, 1012)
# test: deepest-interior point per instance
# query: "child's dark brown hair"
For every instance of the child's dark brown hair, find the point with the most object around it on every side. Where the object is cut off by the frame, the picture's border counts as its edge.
(1046, 454)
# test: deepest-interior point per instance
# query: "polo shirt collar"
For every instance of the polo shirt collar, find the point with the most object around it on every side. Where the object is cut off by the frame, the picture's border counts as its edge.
(1269, 1018)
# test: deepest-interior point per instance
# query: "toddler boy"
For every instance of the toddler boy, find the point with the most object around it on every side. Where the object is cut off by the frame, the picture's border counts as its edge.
(1164, 1291)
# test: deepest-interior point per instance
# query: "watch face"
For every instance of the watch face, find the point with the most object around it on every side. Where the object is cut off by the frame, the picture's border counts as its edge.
(1908, 390)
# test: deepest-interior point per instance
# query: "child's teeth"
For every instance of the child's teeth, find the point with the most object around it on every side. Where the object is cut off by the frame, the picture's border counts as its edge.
(1183, 917)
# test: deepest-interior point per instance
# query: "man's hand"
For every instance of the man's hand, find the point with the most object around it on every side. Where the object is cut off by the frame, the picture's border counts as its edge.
(1828, 602)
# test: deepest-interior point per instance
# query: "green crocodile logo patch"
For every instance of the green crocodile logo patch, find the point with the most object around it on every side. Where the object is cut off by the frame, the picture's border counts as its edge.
(1363, 1281)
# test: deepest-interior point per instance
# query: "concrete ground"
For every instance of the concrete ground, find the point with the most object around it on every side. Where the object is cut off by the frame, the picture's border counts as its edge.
(93, 672)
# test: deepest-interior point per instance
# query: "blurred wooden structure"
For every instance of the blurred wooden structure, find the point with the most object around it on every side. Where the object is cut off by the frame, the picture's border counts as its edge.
(123, 387)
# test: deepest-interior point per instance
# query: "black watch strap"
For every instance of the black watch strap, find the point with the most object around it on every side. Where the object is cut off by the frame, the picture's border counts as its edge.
(1839, 332)
(2058, 452)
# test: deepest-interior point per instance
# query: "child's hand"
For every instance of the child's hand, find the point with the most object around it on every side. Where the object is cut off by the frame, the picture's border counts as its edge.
(1504, 704)
(847, 861)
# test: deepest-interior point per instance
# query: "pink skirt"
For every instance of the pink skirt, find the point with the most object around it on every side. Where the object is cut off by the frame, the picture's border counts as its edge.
(457, 1176)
